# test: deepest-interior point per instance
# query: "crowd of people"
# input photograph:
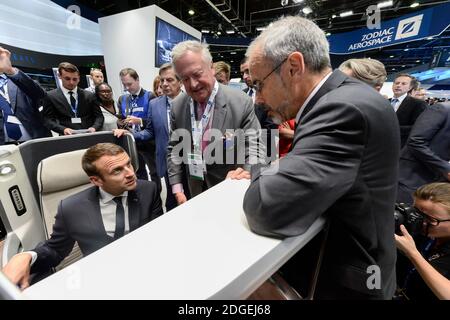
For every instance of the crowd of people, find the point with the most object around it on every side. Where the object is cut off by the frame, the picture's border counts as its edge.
(317, 142)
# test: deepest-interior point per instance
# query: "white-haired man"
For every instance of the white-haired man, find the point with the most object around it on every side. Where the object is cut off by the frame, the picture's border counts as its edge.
(207, 112)
(343, 162)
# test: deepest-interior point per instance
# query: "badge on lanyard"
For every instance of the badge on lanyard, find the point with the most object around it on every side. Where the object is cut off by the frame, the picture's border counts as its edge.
(76, 120)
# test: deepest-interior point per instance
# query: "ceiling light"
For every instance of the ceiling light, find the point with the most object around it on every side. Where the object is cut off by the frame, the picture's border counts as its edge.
(403, 66)
(384, 4)
(346, 14)
(191, 12)
(230, 31)
(219, 33)
(430, 38)
(328, 34)
(307, 10)
(417, 61)
(415, 4)
(205, 31)
(391, 56)
(333, 16)
(231, 61)
(298, 1)
(393, 69)
(406, 49)
(260, 29)
(232, 52)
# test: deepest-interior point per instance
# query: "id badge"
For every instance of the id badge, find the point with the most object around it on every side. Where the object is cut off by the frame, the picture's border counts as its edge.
(196, 166)
(76, 120)
(13, 119)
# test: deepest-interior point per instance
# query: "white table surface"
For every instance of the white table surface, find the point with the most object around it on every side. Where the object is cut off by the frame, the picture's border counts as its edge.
(200, 250)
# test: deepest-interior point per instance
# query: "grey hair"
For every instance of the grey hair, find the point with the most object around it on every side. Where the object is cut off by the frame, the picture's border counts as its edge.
(370, 71)
(291, 34)
(190, 45)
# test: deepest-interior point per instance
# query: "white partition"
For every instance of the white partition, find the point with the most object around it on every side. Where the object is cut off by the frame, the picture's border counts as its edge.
(200, 250)
(128, 40)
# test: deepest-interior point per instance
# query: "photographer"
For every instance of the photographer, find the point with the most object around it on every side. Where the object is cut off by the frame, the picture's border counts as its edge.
(432, 269)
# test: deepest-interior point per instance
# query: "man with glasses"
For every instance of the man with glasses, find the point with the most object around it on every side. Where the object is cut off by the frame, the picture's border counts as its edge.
(431, 273)
(425, 157)
(343, 162)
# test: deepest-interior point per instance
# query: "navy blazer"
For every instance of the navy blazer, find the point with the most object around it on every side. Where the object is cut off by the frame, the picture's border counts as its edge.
(79, 220)
(24, 95)
(157, 128)
(425, 157)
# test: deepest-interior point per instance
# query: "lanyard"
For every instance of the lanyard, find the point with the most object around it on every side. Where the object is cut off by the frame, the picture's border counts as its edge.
(199, 127)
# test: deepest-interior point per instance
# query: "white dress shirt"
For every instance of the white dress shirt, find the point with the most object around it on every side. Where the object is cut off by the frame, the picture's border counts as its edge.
(399, 102)
(67, 95)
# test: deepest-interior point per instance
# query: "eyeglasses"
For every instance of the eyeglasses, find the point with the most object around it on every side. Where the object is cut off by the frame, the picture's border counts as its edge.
(430, 220)
(258, 84)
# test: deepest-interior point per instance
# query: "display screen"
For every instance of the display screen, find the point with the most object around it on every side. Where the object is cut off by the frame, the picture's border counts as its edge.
(167, 36)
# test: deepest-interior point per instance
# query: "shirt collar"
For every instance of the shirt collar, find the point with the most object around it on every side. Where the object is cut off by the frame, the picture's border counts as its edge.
(401, 98)
(311, 95)
(66, 91)
(106, 197)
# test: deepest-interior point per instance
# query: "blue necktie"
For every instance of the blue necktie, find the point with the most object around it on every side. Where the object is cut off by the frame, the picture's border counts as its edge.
(120, 218)
(12, 129)
(394, 102)
(250, 92)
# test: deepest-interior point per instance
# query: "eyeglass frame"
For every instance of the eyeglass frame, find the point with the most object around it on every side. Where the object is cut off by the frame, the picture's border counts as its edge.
(258, 84)
(430, 220)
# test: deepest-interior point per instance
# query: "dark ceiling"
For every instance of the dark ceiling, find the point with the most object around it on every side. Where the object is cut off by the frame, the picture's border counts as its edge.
(244, 16)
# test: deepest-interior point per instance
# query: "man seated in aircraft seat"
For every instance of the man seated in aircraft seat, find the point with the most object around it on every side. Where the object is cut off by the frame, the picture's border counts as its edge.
(95, 217)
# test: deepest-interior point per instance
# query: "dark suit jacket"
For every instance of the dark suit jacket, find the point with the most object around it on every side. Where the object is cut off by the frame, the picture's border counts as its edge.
(343, 165)
(407, 113)
(79, 220)
(157, 128)
(267, 124)
(24, 95)
(58, 113)
(425, 157)
(233, 110)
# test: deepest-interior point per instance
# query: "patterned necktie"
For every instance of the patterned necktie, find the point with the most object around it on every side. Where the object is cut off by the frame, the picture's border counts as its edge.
(73, 103)
(120, 218)
(394, 102)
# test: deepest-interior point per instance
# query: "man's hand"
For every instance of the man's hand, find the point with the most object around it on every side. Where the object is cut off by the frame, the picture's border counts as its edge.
(92, 130)
(68, 131)
(17, 270)
(119, 132)
(238, 174)
(406, 243)
(5, 62)
(180, 197)
(133, 120)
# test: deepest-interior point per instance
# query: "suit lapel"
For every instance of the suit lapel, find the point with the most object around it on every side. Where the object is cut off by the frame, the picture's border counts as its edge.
(81, 98)
(63, 101)
(220, 110)
(134, 210)
(162, 109)
(94, 212)
(12, 92)
(334, 81)
(403, 106)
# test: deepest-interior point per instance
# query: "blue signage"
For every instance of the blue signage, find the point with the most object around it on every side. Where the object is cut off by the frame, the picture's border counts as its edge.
(415, 26)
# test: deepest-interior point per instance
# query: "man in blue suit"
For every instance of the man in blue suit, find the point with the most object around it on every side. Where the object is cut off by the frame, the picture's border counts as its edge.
(157, 125)
(20, 118)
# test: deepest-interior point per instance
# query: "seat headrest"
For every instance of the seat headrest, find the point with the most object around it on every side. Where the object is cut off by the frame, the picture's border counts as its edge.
(61, 171)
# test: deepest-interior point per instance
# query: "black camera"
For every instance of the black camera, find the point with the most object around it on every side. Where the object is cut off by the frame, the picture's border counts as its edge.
(409, 217)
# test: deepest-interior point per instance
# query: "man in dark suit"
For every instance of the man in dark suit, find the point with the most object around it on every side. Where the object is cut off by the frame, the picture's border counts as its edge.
(408, 109)
(70, 108)
(343, 163)
(261, 112)
(206, 119)
(20, 119)
(426, 156)
(95, 217)
(133, 107)
(157, 125)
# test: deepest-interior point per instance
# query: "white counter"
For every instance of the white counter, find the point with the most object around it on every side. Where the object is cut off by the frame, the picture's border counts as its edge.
(200, 250)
